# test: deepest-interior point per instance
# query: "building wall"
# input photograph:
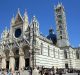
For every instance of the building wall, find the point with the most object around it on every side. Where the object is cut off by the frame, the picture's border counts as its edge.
(56, 55)
(48, 58)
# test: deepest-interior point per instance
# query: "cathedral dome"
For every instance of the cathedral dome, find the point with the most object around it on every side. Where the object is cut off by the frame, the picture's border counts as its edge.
(52, 36)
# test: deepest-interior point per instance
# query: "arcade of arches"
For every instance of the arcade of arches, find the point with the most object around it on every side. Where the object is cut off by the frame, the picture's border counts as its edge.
(15, 59)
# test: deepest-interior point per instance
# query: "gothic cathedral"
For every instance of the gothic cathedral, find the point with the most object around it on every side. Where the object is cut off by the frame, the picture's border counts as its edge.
(23, 45)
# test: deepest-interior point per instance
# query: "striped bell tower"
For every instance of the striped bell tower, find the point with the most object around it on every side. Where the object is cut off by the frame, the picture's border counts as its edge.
(61, 26)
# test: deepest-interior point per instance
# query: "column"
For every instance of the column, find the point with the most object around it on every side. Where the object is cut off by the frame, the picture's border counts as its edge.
(21, 59)
(12, 61)
(3, 61)
(32, 58)
(31, 62)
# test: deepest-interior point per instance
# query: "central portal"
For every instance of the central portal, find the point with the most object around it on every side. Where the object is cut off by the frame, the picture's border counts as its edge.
(17, 63)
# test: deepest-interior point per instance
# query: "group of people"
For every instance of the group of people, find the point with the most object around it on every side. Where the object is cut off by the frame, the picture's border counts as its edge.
(39, 71)
(43, 71)
(52, 71)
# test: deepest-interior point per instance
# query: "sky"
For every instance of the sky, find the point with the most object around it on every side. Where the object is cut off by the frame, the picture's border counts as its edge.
(44, 11)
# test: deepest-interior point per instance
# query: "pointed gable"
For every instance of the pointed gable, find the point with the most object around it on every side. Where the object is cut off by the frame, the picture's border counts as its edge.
(18, 19)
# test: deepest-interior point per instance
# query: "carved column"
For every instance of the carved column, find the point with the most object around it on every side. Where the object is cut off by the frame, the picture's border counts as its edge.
(12, 60)
(3, 61)
(21, 59)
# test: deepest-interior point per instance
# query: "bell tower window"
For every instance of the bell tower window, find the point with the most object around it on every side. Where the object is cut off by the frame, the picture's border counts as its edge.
(60, 37)
(60, 21)
(60, 27)
(59, 16)
(61, 32)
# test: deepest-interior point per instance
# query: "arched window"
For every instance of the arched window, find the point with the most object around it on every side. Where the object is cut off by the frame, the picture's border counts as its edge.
(54, 52)
(65, 54)
(60, 37)
(41, 52)
(48, 51)
(61, 32)
(77, 54)
(60, 27)
(60, 21)
(59, 16)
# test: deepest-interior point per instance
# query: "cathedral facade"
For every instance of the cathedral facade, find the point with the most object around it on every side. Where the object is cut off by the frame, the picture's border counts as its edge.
(23, 45)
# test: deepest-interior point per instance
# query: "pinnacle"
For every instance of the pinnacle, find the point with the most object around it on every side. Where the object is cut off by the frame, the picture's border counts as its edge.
(18, 10)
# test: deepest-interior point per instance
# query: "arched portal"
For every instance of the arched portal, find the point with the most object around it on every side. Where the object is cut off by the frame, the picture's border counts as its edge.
(26, 56)
(7, 58)
(16, 57)
(66, 65)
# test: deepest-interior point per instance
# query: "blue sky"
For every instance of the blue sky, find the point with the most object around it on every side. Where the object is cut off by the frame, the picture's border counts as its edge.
(44, 11)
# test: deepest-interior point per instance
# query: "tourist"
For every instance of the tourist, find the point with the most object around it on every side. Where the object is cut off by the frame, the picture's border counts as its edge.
(41, 70)
(35, 71)
(52, 72)
(0, 72)
(29, 70)
(46, 72)
(9, 72)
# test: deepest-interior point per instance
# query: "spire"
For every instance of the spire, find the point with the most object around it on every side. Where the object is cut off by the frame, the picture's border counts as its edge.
(25, 16)
(59, 4)
(6, 29)
(25, 19)
(19, 18)
(5, 33)
(34, 19)
(12, 20)
(18, 11)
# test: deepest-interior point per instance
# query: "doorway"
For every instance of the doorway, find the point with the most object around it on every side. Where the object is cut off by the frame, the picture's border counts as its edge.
(7, 64)
(66, 65)
(27, 64)
(17, 63)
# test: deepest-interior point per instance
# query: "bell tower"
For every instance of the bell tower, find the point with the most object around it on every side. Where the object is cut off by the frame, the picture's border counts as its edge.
(61, 26)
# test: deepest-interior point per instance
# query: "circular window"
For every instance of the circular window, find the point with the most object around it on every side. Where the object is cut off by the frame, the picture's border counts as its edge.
(17, 32)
